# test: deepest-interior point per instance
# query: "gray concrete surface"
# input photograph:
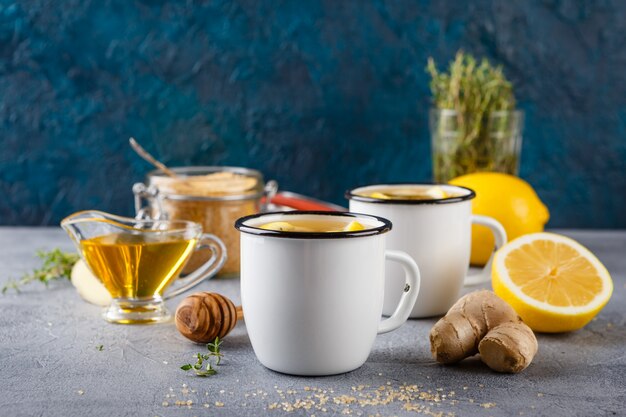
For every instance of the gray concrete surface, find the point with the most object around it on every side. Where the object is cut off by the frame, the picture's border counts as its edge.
(50, 364)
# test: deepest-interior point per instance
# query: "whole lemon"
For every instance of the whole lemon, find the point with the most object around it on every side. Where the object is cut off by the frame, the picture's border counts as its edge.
(508, 199)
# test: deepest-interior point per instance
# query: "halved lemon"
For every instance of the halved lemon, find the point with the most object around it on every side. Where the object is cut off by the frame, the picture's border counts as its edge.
(554, 283)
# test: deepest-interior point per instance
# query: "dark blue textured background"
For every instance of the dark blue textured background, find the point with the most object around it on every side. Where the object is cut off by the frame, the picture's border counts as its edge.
(320, 95)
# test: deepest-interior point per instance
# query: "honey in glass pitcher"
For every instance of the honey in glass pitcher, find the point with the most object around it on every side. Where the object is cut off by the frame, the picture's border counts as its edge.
(136, 266)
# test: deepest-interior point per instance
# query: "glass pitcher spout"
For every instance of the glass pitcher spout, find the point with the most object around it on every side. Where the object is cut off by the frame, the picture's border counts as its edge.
(87, 224)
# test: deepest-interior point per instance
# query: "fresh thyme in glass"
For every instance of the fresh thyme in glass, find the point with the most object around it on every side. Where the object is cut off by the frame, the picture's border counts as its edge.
(204, 364)
(57, 265)
(475, 127)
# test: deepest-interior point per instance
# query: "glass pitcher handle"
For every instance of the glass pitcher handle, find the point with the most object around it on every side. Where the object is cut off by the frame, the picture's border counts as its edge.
(154, 209)
(206, 270)
(269, 191)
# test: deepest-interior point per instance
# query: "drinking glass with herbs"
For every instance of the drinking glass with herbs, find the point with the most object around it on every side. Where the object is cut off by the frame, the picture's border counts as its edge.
(474, 124)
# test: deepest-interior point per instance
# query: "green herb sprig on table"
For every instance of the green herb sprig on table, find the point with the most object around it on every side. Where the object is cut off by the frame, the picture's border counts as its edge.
(214, 354)
(473, 93)
(57, 265)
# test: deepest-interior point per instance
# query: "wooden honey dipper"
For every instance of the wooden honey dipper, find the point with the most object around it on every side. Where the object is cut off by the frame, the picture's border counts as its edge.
(203, 316)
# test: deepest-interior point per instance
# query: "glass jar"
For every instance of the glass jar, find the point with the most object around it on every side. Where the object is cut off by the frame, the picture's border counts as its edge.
(214, 196)
(462, 144)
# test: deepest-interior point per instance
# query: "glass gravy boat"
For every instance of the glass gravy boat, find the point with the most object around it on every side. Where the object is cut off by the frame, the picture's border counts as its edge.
(138, 260)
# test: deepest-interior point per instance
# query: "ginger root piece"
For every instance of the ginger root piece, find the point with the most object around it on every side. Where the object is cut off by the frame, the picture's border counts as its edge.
(509, 347)
(457, 334)
(474, 317)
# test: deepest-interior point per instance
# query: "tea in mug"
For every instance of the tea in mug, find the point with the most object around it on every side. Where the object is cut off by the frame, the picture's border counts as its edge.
(314, 226)
(410, 192)
(136, 266)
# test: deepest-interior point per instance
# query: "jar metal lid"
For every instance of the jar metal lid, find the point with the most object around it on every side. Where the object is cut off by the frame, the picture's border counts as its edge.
(193, 171)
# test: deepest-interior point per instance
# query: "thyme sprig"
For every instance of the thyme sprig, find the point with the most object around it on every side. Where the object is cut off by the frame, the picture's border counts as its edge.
(57, 265)
(470, 86)
(204, 363)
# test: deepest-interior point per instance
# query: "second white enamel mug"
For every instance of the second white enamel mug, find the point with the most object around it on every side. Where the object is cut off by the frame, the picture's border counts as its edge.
(437, 233)
(313, 301)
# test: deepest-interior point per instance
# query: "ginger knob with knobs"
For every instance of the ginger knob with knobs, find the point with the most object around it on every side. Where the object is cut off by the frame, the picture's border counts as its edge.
(203, 316)
(481, 322)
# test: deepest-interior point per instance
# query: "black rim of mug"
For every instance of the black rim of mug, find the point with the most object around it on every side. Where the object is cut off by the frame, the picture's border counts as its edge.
(242, 227)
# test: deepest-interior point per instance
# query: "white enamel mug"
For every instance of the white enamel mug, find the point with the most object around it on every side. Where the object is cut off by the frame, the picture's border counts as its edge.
(437, 234)
(313, 301)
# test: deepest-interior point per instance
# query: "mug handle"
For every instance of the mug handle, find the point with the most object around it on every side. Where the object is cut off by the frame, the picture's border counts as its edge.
(207, 269)
(500, 236)
(409, 294)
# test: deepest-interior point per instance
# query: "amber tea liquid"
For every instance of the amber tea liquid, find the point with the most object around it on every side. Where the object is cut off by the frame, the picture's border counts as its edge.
(136, 266)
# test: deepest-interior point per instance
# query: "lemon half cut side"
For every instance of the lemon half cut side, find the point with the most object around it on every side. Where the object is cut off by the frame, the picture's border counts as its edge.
(554, 283)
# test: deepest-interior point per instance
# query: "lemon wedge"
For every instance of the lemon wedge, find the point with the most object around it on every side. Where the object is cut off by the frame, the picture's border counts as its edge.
(554, 283)
(379, 195)
(285, 227)
(279, 226)
(431, 193)
(436, 193)
(353, 227)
